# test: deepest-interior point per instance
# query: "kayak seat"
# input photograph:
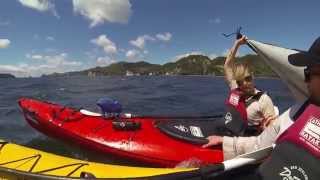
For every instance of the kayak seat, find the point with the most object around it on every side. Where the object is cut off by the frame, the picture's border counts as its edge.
(193, 131)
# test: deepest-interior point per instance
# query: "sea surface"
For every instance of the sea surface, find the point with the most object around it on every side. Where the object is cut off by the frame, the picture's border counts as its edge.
(141, 95)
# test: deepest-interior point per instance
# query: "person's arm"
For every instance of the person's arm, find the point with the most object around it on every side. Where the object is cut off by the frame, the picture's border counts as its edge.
(267, 111)
(229, 63)
(233, 146)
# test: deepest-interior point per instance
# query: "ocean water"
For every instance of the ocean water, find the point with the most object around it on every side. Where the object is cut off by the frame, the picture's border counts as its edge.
(143, 95)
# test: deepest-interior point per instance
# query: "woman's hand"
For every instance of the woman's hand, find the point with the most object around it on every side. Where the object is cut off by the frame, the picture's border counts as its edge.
(241, 41)
(213, 140)
(267, 121)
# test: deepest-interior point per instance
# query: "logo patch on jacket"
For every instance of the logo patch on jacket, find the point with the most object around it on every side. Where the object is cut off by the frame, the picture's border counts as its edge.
(234, 99)
(310, 133)
(294, 173)
(228, 118)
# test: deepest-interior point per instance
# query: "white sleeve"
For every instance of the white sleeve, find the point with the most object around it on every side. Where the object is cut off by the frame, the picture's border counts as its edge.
(266, 106)
(233, 146)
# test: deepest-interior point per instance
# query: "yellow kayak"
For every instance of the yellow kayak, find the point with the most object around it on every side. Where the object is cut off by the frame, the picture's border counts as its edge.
(19, 162)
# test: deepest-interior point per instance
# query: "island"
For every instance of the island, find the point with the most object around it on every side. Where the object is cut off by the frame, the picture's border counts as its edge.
(190, 65)
(6, 75)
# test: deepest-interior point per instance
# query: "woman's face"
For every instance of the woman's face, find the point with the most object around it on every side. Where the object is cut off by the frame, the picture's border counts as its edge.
(246, 85)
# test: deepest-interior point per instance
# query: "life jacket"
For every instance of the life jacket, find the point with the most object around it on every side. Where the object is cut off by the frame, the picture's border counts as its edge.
(236, 118)
(297, 152)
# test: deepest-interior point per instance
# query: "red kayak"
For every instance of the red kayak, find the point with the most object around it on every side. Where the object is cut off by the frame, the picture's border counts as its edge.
(143, 139)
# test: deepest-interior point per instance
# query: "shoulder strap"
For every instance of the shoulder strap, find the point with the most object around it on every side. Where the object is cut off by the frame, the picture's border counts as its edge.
(301, 110)
(254, 98)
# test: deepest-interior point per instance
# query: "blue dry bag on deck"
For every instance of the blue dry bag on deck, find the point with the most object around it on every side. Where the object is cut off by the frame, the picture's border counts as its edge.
(109, 106)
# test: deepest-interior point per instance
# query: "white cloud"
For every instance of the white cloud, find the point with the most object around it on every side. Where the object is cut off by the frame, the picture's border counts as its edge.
(12, 69)
(50, 38)
(98, 60)
(108, 46)
(141, 40)
(104, 61)
(60, 60)
(18, 71)
(40, 5)
(132, 54)
(213, 56)
(215, 21)
(8, 68)
(99, 11)
(4, 43)
(45, 64)
(164, 37)
(36, 57)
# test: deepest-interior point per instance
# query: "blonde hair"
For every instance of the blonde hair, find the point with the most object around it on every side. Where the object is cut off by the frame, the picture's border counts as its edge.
(240, 71)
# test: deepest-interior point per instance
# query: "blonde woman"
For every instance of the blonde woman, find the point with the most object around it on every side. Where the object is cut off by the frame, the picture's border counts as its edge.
(249, 110)
(295, 132)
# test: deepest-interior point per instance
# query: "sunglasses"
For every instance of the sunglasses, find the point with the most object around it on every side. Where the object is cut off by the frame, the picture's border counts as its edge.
(247, 79)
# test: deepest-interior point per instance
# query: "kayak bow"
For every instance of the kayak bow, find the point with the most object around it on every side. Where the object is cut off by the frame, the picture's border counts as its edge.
(277, 58)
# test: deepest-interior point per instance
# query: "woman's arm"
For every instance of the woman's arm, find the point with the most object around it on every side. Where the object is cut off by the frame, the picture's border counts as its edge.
(229, 63)
(267, 111)
(233, 146)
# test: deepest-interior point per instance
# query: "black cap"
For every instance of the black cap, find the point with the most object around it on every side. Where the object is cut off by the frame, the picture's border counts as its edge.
(307, 58)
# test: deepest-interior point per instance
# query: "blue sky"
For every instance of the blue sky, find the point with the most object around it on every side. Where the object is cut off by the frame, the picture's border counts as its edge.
(46, 36)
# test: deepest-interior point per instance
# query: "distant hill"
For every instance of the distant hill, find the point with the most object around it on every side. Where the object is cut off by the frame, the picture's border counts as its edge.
(123, 68)
(190, 65)
(7, 76)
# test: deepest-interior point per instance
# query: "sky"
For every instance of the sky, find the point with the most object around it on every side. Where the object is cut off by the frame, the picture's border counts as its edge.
(45, 36)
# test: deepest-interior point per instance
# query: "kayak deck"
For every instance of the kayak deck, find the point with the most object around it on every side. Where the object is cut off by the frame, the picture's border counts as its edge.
(146, 144)
(16, 160)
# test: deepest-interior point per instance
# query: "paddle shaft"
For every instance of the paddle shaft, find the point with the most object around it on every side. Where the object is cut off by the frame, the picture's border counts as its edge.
(242, 160)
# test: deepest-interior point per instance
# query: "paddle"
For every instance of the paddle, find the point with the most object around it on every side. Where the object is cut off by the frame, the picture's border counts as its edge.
(248, 158)
(241, 160)
(237, 162)
(210, 171)
(214, 170)
(238, 36)
(128, 115)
